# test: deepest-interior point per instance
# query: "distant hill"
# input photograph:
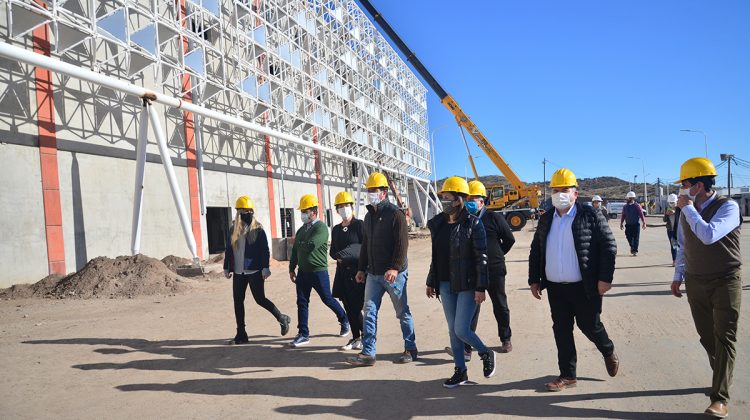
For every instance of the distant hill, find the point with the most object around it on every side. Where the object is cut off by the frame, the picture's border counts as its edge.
(608, 187)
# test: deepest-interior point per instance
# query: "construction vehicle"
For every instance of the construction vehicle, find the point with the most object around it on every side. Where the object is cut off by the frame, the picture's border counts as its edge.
(519, 204)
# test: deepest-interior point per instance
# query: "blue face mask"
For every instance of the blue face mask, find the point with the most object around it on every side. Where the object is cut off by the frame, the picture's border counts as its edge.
(471, 207)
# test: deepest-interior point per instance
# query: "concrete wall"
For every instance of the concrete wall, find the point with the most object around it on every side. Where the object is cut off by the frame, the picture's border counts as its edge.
(23, 248)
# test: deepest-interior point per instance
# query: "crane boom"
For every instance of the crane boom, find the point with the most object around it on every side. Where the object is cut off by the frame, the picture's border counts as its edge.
(529, 193)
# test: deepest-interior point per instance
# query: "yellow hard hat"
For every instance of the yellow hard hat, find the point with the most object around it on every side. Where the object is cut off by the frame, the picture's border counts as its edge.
(307, 201)
(695, 167)
(563, 177)
(377, 180)
(455, 184)
(343, 198)
(244, 202)
(477, 188)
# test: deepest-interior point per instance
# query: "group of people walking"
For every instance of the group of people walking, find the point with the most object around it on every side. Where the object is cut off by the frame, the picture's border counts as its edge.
(572, 258)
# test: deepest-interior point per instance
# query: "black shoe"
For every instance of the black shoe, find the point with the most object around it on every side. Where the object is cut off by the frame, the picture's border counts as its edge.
(488, 363)
(240, 338)
(459, 377)
(345, 329)
(284, 321)
(408, 356)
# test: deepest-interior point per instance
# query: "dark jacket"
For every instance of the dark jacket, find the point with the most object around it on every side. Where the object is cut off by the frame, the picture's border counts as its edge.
(594, 243)
(257, 254)
(500, 240)
(386, 240)
(346, 246)
(468, 253)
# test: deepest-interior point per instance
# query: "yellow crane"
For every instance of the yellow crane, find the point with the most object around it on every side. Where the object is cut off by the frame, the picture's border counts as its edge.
(518, 204)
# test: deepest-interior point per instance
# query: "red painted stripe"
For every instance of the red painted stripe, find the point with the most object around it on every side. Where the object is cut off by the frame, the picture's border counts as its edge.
(271, 194)
(192, 161)
(48, 155)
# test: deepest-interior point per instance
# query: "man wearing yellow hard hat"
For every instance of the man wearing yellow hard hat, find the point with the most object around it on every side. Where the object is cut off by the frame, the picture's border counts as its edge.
(573, 256)
(383, 263)
(309, 253)
(708, 261)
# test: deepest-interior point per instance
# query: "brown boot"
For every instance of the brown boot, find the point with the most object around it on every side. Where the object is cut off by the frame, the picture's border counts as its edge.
(612, 363)
(717, 409)
(560, 383)
(507, 347)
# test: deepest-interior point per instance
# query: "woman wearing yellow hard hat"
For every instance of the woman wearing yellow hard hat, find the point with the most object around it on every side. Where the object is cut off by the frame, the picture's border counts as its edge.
(309, 254)
(458, 274)
(247, 262)
(346, 243)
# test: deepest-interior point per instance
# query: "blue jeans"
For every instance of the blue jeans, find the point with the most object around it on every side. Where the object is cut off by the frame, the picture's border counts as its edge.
(459, 310)
(322, 285)
(375, 288)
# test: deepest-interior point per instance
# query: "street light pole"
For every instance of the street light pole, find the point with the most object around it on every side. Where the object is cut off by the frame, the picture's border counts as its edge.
(705, 138)
(643, 168)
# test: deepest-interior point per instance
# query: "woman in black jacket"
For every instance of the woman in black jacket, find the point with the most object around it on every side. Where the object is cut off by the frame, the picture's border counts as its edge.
(346, 242)
(246, 260)
(458, 275)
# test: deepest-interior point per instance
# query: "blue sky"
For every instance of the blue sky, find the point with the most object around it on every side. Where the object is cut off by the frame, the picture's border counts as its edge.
(586, 83)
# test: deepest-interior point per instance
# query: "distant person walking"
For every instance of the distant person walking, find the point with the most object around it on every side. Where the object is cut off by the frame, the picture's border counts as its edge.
(309, 254)
(709, 261)
(573, 256)
(346, 243)
(458, 275)
(670, 218)
(383, 263)
(632, 214)
(246, 262)
(596, 203)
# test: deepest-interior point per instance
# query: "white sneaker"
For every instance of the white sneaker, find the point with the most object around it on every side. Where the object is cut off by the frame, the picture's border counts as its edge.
(353, 344)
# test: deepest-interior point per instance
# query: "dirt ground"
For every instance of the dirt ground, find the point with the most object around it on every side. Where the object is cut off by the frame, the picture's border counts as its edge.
(165, 357)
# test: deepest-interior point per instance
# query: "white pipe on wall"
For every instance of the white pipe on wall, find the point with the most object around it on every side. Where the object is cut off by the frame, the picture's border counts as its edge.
(140, 174)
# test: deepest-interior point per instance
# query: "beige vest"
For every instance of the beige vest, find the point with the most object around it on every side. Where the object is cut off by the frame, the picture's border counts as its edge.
(722, 258)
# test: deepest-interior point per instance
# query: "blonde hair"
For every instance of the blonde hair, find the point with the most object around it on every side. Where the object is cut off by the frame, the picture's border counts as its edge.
(240, 228)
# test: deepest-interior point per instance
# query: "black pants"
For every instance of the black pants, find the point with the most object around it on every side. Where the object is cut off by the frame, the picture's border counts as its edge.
(354, 299)
(633, 233)
(257, 288)
(569, 303)
(496, 290)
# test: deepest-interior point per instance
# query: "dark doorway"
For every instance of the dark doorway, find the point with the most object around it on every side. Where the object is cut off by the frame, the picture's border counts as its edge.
(287, 222)
(217, 226)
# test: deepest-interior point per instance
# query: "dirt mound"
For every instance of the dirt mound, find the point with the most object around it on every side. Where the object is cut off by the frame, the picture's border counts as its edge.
(102, 277)
(172, 262)
(39, 289)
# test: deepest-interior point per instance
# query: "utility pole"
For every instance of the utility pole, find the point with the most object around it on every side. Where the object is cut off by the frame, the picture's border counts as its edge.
(544, 163)
(728, 158)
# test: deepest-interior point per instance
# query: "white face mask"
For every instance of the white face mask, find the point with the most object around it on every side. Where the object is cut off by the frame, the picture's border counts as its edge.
(373, 198)
(686, 191)
(561, 200)
(305, 218)
(345, 212)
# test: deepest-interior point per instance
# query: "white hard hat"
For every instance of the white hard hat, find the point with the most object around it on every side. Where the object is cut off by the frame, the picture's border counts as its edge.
(672, 198)
(631, 194)
(596, 198)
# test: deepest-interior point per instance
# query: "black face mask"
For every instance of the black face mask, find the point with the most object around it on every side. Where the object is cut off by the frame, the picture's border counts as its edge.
(448, 207)
(247, 218)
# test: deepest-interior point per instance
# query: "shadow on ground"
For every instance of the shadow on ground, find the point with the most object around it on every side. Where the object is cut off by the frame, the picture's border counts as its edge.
(364, 398)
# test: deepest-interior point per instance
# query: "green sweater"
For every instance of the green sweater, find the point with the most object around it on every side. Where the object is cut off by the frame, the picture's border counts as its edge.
(310, 250)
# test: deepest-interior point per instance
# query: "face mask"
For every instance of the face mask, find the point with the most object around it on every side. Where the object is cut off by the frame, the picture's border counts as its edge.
(305, 218)
(472, 207)
(247, 218)
(345, 212)
(373, 198)
(448, 207)
(561, 200)
(686, 191)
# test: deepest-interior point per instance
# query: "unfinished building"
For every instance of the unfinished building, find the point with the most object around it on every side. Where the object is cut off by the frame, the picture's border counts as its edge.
(315, 70)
